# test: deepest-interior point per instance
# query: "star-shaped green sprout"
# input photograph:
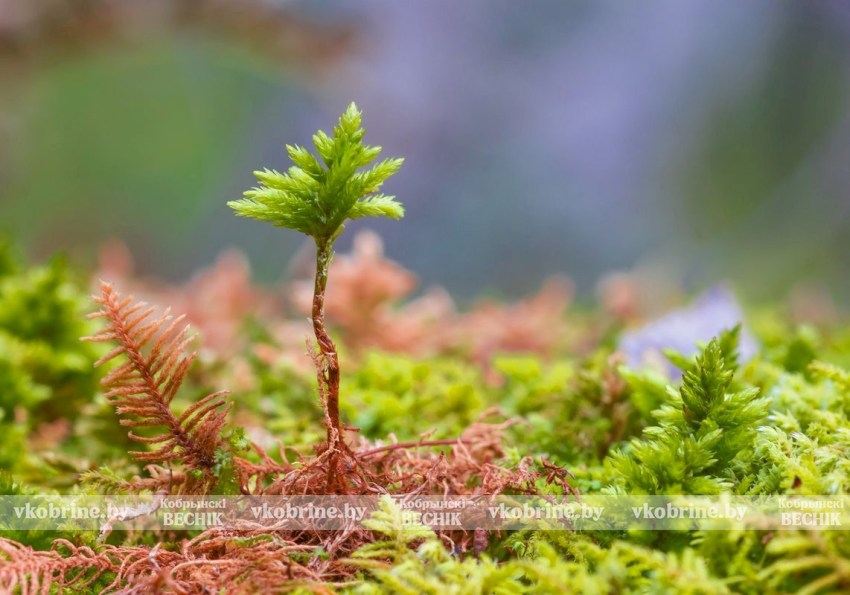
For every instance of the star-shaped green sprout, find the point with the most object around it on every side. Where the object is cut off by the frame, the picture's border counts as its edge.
(316, 196)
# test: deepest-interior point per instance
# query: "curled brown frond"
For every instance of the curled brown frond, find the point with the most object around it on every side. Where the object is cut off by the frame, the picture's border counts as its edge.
(219, 561)
(24, 570)
(144, 385)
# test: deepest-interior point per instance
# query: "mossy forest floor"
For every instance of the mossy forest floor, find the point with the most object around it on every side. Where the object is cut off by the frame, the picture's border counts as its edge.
(534, 396)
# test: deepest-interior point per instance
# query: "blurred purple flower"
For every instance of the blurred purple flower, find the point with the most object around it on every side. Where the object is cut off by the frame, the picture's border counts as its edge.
(681, 330)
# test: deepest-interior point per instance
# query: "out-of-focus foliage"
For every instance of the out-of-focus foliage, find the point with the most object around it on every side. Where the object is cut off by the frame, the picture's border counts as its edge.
(46, 373)
(439, 394)
(698, 176)
(587, 400)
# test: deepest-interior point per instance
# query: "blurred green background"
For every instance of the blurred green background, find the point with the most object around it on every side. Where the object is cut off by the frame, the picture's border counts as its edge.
(707, 140)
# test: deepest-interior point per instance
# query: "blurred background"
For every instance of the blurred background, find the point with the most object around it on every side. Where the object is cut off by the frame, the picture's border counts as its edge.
(695, 141)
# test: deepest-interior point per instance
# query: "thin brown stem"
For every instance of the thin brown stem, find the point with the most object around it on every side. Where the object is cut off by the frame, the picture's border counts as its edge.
(400, 445)
(328, 371)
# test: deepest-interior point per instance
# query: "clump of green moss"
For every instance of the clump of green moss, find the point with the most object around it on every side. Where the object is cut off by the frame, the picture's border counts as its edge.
(46, 374)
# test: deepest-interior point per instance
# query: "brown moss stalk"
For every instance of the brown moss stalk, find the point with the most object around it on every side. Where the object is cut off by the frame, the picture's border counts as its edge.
(328, 370)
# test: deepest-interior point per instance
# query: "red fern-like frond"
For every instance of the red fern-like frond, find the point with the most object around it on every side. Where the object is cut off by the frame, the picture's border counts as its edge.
(143, 386)
(24, 570)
